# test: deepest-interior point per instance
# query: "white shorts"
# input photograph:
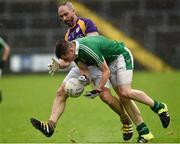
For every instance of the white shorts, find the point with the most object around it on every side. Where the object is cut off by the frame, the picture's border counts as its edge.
(96, 75)
(73, 73)
(122, 70)
(94, 71)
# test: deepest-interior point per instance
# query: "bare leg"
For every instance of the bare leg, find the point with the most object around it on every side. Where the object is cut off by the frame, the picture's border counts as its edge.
(47, 128)
(113, 103)
(131, 108)
(133, 111)
(58, 104)
(136, 95)
(160, 108)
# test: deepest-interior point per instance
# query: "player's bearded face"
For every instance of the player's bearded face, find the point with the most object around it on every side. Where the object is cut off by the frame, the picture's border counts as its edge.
(67, 15)
(69, 21)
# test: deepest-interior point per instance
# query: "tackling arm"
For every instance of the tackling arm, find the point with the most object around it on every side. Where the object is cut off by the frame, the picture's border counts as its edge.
(105, 75)
(85, 78)
(63, 64)
(92, 34)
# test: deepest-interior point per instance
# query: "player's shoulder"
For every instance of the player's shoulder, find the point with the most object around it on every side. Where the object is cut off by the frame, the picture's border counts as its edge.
(85, 20)
(2, 42)
(1, 39)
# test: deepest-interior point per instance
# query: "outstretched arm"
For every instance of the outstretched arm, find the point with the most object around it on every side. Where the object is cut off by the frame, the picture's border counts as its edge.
(56, 65)
(92, 34)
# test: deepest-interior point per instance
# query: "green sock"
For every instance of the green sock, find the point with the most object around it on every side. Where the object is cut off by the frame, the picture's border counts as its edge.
(142, 129)
(157, 106)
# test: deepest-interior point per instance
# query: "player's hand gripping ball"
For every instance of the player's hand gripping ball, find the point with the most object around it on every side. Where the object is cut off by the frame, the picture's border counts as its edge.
(74, 87)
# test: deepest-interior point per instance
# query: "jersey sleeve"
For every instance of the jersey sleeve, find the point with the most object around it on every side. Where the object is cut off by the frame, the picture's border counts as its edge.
(100, 61)
(94, 56)
(97, 60)
(90, 26)
(2, 43)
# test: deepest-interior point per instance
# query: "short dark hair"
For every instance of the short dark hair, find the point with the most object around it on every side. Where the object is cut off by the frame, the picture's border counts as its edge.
(61, 48)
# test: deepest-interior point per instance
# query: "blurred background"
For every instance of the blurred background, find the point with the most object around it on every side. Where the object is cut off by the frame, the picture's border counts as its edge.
(149, 28)
(31, 28)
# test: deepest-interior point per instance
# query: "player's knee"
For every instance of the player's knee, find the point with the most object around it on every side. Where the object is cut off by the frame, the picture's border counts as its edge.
(106, 97)
(60, 91)
(125, 93)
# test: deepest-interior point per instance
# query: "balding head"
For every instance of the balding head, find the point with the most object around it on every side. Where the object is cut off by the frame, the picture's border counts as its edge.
(67, 13)
(69, 5)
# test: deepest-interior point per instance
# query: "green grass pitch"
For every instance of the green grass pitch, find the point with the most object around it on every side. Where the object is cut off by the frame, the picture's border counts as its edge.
(84, 120)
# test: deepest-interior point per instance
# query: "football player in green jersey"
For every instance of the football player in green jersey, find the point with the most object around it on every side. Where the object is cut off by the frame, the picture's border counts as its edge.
(4, 54)
(116, 63)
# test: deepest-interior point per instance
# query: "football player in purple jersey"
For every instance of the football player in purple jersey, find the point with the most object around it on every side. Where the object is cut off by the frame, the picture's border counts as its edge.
(80, 27)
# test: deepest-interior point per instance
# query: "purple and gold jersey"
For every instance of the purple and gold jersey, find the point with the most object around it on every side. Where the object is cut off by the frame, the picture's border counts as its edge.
(80, 29)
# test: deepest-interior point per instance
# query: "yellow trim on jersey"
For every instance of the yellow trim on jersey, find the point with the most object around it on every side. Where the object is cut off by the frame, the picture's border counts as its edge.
(82, 26)
(66, 35)
(147, 59)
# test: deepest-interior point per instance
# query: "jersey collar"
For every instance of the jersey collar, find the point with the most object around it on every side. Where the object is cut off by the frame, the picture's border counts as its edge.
(75, 23)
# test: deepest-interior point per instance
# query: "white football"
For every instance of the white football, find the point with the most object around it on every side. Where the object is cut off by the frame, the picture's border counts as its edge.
(73, 87)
